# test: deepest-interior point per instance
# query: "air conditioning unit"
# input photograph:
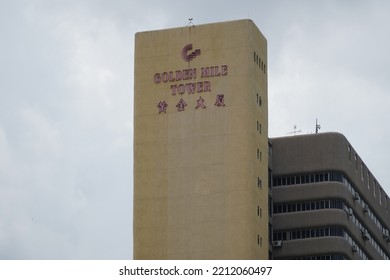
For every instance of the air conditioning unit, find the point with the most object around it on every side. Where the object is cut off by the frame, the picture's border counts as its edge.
(356, 196)
(354, 248)
(277, 244)
(386, 235)
(365, 234)
(349, 212)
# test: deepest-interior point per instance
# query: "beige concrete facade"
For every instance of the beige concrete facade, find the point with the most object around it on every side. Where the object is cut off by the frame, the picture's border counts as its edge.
(201, 143)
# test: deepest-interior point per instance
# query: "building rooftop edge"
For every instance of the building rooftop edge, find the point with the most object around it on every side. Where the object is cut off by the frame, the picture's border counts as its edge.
(198, 25)
(337, 135)
(334, 133)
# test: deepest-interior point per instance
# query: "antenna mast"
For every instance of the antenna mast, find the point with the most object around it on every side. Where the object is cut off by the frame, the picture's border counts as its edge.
(295, 130)
(318, 127)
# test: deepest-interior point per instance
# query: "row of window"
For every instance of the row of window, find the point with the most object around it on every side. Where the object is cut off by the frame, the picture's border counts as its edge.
(329, 204)
(308, 206)
(321, 257)
(259, 62)
(382, 197)
(317, 233)
(307, 178)
(331, 176)
(364, 204)
(308, 233)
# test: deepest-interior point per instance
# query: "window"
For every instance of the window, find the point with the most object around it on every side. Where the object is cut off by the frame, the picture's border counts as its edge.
(260, 240)
(258, 126)
(356, 162)
(349, 153)
(326, 176)
(326, 203)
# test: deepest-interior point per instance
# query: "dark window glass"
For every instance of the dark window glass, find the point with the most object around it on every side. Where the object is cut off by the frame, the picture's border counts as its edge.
(326, 203)
(326, 177)
(293, 235)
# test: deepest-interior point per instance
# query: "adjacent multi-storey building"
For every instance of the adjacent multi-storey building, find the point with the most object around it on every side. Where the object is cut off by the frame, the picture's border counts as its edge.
(326, 202)
(209, 184)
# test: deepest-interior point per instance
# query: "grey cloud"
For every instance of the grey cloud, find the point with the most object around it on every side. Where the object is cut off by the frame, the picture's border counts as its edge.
(66, 105)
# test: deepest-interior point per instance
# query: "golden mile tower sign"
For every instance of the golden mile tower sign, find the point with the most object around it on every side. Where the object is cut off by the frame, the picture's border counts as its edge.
(187, 81)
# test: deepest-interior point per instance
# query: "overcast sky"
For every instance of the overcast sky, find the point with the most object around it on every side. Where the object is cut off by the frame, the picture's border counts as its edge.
(66, 107)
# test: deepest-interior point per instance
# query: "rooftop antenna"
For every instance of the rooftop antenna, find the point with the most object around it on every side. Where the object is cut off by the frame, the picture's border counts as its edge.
(295, 130)
(190, 22)
(318, 127)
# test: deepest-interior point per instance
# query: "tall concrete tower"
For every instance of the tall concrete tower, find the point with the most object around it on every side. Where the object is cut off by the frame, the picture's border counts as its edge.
(201, 143)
